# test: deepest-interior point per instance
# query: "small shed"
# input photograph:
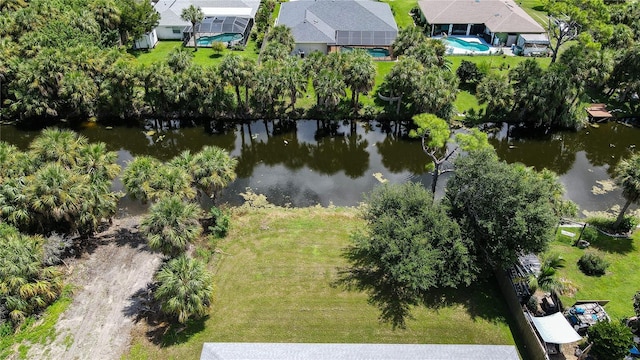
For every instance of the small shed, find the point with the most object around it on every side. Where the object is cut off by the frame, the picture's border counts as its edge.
(146, 41)
(598, 112)
(532, 45)
(555, 330)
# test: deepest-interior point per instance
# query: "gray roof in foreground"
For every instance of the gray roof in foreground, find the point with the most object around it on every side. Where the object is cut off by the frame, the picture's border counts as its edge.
(286, 351)
(339, 22)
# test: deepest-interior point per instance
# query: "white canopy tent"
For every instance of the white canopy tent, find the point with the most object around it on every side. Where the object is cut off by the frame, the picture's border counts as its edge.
(555, 329)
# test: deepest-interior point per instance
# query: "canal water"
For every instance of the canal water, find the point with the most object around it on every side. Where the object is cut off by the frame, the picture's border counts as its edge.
(309, 162)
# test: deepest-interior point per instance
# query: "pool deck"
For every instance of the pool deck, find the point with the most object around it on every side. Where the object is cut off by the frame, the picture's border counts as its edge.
(474, 39)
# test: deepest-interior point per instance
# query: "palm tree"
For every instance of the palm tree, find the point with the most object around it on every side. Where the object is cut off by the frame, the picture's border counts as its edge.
(231, 73)
(238, 71)
(359, 75)
(171, 225)
(407, 38)
(629, 179)
(78, 93)
(55, 195)
(137, 175)
(402, 81)
(546, 280)
(12, 5)
(495, 91)
(194, 15)
(274, 51)
(281, 34)
(99, 203)
(214, 170)
(185, 289)
(268, 86)
(27, 285)
(106, 13)
(168, 181)
(118, 93)
(179, 59)
(425, 53)
(295, 83)
(330, 87)
(96, 161)
(61, 146)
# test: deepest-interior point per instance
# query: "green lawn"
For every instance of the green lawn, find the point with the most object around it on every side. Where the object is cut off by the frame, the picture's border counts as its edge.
(401, 10)
(535, 9)
(204, 56)
(274, 284)
(619, 284)
(466, 99)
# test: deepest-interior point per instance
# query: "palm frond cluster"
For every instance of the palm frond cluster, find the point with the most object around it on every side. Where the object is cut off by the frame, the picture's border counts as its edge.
(61, 184)
(185, 289)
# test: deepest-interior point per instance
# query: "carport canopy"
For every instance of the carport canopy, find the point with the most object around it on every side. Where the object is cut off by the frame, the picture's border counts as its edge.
(555, 329)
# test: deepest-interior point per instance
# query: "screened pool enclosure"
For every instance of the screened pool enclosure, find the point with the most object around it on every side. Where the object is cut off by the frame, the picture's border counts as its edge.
(230, 30)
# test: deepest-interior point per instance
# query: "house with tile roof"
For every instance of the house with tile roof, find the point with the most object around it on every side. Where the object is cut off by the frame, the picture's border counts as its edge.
(497, 21)
(339, 25)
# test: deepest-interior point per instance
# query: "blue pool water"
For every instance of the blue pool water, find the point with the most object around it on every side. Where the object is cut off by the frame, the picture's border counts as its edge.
(223, 38)
(465, 45)
(378, 52)
(375, 52)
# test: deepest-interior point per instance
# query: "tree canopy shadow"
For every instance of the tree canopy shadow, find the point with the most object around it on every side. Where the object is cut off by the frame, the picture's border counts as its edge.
(613, 245)
(126, 237)
(161, 330)
(141, 304)
(482, 299)
(165, 334)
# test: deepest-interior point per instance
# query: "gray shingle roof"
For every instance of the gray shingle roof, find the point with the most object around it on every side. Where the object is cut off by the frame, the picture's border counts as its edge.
(498, 15)
(170, 10)
(321, 21)
(290, 351)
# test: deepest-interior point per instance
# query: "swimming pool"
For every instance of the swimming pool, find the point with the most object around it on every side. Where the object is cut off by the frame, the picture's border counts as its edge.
(465, 45)
(378, 52)
(374, 52)
(223, 38)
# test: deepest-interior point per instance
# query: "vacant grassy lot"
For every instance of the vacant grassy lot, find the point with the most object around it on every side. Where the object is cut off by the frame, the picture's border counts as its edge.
(274, 284)
(620, 282)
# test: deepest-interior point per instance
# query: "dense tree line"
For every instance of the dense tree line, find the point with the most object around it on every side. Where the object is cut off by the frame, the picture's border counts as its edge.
(65, 59)
(75, 68)
(60, 187)
(58, 193)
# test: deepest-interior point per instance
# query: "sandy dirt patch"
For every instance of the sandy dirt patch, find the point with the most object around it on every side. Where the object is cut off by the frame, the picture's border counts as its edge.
(98, 323)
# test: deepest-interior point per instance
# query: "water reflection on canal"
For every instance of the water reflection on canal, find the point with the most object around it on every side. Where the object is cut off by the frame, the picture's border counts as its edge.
(302, 163)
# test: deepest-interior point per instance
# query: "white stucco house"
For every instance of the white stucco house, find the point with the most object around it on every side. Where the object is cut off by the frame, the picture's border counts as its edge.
(172, 27)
